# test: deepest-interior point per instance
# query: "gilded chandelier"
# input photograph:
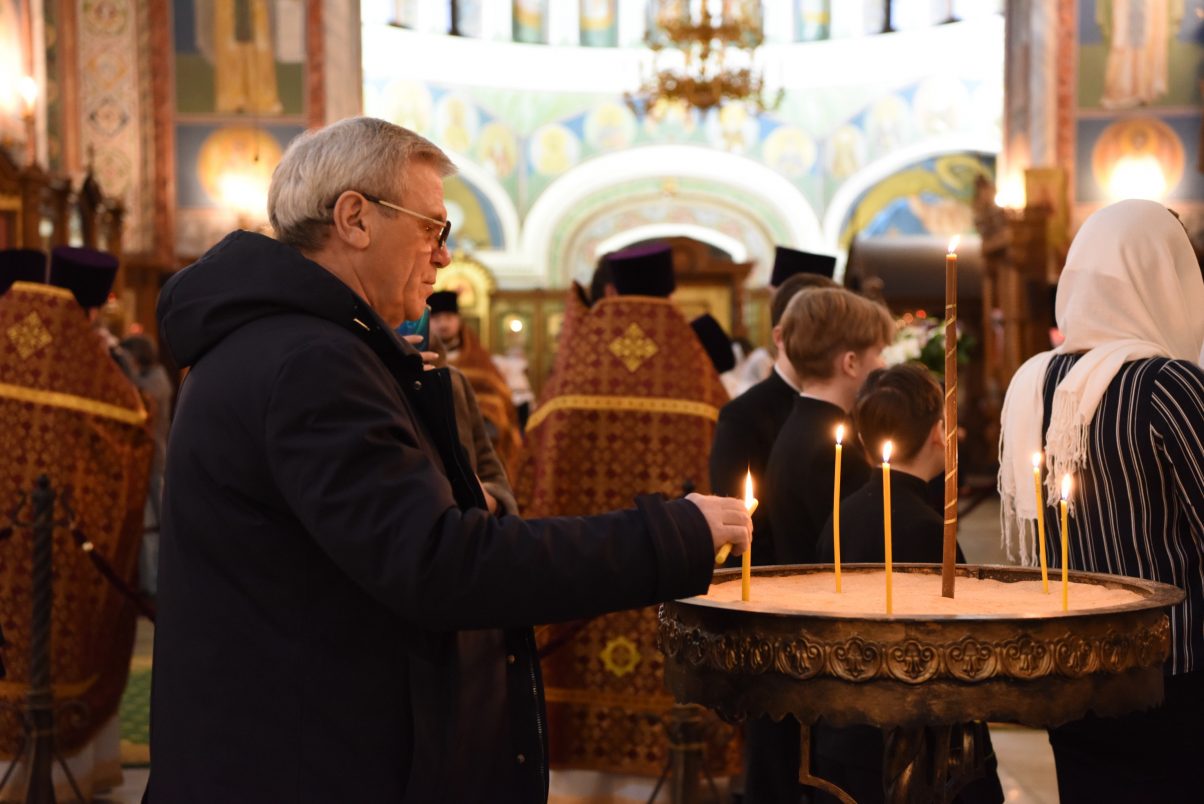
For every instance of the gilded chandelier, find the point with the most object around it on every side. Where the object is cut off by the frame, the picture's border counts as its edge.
(703, 56)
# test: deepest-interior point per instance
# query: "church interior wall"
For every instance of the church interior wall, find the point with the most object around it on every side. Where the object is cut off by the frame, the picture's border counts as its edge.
(524, 121)
(1138, 103)
(540, 115)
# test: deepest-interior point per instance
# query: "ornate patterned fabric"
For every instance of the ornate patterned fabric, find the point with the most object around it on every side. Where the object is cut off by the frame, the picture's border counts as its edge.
(493, 396)
(69, 413)
(630, 409)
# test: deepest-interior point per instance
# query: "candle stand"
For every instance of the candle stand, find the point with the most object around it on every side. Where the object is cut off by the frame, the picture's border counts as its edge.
(922, 680)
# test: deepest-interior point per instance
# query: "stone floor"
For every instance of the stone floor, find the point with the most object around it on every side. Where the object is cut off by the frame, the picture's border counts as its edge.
(1025, 762)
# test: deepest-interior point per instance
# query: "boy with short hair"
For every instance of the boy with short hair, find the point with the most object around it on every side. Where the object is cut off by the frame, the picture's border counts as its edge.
(903, 405)
(834, 339)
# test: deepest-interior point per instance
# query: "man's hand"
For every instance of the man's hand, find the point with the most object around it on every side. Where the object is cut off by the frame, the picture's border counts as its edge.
(727, 519)
(428, 358)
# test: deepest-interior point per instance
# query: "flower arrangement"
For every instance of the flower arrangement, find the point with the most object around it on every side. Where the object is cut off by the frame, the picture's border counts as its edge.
(920, 339)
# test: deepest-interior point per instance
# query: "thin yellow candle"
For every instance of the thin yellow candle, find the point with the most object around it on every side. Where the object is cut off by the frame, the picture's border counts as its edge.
(750, 503)
(1040, 520)
(886, 448)
(836, 506)
(1065, 545)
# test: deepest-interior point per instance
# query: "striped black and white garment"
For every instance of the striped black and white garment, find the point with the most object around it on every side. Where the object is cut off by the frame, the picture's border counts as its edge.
(1138, 504)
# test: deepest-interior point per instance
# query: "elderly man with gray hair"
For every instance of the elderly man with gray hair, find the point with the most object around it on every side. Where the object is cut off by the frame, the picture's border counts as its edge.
(340, 619)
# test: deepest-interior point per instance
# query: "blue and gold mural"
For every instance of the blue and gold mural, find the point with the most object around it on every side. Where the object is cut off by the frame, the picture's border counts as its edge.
(931, 197)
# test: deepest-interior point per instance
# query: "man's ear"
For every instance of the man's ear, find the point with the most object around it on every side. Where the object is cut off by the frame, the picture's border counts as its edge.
(778, 345)
(847, 364)
(937, 436)
(350, 223)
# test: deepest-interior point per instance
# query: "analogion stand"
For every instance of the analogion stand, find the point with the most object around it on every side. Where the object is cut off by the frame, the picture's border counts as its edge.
(921, 680)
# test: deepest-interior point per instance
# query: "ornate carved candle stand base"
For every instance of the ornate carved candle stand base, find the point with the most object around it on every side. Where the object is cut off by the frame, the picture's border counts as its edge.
(920, 678)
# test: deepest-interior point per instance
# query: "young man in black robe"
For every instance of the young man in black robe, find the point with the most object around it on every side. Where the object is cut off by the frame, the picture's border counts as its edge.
(749, 424)
(833, 339)
(903, 405)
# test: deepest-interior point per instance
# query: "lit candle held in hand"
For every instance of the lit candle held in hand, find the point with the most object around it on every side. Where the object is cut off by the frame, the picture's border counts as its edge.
(1065, 545)
(886, 449)
(750, 504)
(1040, 521)
(836, 505)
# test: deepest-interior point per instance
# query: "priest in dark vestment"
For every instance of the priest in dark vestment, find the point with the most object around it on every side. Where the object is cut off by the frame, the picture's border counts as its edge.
(833, 339)
(71, 414)
(629, 409)
(903, 405)
(749, 423)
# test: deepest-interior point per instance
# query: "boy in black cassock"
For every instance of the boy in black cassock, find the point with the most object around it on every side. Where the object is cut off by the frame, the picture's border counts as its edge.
(903, 405)
(834, 339)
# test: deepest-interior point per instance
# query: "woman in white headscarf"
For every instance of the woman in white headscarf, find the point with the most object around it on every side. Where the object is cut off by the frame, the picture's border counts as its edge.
(1119, 405)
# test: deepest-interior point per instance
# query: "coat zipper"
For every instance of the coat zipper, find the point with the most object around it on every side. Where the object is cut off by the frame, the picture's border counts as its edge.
(533, 656)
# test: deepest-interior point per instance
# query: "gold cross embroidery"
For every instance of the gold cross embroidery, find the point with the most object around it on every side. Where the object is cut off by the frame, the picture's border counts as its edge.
(633, 347)
(29, 335)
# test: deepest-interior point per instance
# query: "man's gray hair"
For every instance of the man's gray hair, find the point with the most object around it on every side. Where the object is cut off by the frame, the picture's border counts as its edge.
(359, 153)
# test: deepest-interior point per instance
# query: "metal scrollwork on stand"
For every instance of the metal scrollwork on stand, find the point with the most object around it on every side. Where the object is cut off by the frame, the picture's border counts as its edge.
(913, 661)
(923, 680)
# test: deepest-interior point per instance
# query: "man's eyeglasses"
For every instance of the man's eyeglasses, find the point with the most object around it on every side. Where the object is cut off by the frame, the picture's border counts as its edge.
(444, 226)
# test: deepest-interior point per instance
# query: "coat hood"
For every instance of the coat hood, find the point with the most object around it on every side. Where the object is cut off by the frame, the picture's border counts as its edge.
(245, 277)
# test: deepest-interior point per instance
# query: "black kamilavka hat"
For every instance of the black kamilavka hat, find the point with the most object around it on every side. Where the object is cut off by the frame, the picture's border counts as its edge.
(715, 341)
(444, 301)
(788, 261)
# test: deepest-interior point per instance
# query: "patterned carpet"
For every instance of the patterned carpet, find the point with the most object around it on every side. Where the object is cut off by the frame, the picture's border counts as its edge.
(135, 715)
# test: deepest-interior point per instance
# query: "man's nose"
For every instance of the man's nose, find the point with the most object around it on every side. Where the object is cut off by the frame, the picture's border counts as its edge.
(441, 256)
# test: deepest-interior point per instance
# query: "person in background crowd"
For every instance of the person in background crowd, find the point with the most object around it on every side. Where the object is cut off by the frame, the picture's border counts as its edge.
(465, 352)
(151, 379)
(89, 275)
(629, 408)
(71, 414)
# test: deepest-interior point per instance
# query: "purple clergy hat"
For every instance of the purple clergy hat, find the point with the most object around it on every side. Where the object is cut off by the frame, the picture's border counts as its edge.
(21, 265)
(86, 272)
(788, 261)
(645, 270)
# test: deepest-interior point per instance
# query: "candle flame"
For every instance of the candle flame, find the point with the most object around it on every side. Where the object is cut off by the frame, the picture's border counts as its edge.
(839, 433)
(1036, 460)
(953, 244)
(749, 499)
(886, 449)
(1065, 487)
(27, 88)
